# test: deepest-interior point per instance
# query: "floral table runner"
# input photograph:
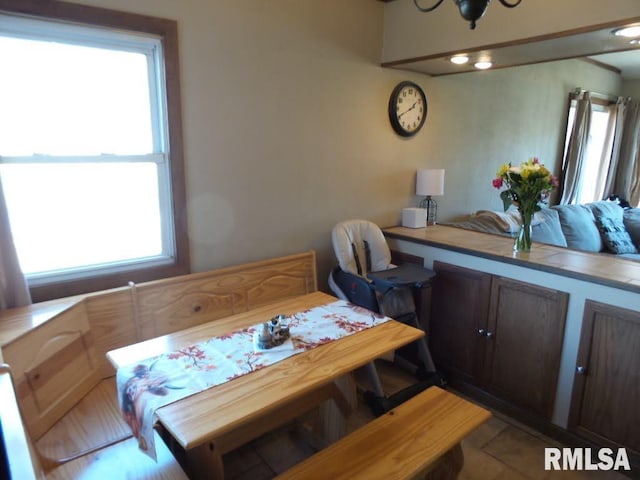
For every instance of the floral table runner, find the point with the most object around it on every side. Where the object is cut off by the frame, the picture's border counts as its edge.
(150, 384)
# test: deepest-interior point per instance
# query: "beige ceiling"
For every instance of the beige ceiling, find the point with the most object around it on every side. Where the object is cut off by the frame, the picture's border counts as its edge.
(627, 63)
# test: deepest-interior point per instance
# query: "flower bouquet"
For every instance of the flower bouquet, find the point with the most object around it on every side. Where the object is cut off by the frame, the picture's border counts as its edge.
(527, 186)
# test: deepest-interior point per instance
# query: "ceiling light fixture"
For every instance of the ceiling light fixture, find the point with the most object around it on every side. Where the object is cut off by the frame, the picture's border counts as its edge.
(459, 59)
(483, 65)
(471, 10)
(631, 31)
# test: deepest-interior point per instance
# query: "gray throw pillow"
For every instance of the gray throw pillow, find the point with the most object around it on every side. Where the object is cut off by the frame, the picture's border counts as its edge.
(579, 227)
(632, 224)
(615, 235)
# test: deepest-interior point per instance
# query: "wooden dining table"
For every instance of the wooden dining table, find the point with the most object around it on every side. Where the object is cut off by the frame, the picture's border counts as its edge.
(212, 422)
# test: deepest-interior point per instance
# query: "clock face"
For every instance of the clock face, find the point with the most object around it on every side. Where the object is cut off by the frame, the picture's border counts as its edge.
(407, 109)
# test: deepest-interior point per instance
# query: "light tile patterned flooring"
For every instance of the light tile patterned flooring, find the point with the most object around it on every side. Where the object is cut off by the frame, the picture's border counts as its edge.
(500, 449)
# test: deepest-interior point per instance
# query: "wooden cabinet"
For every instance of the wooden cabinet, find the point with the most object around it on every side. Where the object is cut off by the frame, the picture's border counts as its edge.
(606, 393)
(502, 335)
(524, 336)
(459, 312)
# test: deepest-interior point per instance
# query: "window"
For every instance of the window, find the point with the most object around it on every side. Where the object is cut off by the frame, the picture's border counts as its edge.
(92, 186)
(598, 153)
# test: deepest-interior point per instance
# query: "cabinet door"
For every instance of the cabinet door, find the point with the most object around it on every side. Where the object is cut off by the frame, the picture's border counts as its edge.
(606, 391)
(524, 343)
(460, 303)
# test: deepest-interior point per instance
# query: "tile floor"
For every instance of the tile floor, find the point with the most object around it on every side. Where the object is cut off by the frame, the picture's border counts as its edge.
(500, 449)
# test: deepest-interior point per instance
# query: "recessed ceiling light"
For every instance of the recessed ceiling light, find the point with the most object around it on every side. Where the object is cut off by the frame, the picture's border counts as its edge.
(631, 31)
(459, 59)
(483, 65)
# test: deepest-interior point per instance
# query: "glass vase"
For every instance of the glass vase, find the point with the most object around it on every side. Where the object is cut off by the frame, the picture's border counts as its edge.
(523, 239)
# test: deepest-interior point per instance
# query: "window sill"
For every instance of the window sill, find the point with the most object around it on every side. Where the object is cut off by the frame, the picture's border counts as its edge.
(43, 290)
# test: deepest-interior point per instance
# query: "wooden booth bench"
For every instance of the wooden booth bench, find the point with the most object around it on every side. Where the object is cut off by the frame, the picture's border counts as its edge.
(419, 437)
(64, 385)
(23, 461)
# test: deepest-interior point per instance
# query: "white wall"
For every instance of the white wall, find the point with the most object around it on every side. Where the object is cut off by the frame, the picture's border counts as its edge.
(631, 88)
(286, 129)
(285, 123)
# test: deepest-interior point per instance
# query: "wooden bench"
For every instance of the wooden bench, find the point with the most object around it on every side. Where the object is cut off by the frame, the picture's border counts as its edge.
(406, 442)
(113, 462)
(56, 350)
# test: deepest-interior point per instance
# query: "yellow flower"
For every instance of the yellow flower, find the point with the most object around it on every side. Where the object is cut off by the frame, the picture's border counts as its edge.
(526, 184)
(502, 171)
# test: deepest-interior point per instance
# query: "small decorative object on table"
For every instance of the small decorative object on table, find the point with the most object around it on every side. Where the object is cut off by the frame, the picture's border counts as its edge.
(274, 333)
(527, 186)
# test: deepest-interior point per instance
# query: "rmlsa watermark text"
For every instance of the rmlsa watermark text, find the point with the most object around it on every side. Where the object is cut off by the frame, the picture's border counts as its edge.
(582, 459)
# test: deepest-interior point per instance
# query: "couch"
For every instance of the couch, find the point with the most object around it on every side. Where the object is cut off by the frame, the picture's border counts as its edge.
(594, 227)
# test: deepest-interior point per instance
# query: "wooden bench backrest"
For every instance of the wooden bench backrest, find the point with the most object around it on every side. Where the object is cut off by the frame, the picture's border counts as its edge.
(151, 309)
(178, 303)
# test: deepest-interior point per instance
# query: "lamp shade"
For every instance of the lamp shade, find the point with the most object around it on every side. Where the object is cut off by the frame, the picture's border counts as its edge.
(430, 182)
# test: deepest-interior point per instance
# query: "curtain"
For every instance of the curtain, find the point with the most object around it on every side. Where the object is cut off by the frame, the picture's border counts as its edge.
(13, 286)
(624, 169)
(573, 162)
(634, 193)
(606, 155)
(621, 108)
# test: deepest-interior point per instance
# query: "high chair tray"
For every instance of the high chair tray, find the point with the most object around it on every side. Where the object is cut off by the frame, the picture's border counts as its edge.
(408, 274)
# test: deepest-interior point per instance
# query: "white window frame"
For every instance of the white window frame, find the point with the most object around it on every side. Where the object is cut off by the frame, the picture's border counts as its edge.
(157, 39)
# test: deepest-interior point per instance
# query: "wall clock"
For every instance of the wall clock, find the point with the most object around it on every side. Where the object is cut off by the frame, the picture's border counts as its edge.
(407, 108)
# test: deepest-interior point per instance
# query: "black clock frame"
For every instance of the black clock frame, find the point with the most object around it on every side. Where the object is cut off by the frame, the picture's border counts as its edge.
(393, 112)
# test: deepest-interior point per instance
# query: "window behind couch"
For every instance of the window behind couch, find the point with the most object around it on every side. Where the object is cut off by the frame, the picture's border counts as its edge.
(598, 149)
(90, 159)
(601, 157)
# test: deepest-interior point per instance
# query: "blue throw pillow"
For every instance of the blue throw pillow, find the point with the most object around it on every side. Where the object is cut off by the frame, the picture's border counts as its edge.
(632, 224)
(614, 235)
(606, 208)
(579, 227)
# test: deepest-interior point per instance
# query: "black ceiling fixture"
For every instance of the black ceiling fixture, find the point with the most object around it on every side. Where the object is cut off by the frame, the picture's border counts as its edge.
(471, 10)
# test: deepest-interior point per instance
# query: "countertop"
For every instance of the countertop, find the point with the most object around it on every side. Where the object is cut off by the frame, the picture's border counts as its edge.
(603, 268)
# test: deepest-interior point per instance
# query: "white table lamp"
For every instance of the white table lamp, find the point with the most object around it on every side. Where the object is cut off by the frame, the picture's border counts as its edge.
(430, 182)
